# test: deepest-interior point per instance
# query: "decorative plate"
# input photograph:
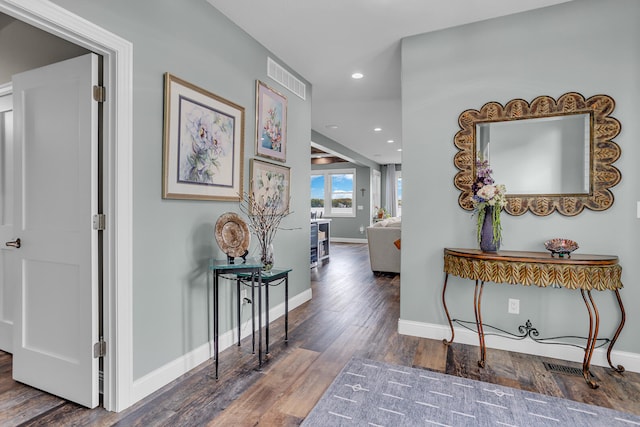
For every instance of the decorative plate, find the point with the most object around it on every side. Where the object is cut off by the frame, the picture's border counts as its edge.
(561, 246)
(232, 234)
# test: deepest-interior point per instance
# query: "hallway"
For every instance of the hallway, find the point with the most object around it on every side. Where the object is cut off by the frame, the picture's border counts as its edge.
(352, 313)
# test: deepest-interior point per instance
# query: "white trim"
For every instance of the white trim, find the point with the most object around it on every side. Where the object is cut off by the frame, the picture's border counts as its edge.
(631, 361)
(6, 89)
(118, 136)
(162, 376)
(347, 240)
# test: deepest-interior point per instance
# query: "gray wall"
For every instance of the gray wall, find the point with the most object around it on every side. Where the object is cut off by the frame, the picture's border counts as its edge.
(587, 46)
(173, 240)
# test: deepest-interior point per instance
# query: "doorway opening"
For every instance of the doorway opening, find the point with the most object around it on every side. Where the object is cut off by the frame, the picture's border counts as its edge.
(116, 173)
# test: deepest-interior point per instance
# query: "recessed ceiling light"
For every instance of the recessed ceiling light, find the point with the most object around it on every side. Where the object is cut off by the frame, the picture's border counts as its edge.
(399, 149)
(332, 126)
(357, 76)
(377, 129)
(390, 141)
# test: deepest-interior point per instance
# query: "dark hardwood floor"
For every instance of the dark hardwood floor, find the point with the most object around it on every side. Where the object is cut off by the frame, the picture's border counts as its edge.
(352, 313)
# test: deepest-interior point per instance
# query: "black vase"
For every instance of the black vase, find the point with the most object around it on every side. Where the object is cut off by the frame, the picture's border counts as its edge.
(486, 233)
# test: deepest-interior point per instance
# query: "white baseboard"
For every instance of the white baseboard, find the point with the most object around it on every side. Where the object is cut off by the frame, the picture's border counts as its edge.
(348, 240)
(630, 361)
(162, 376)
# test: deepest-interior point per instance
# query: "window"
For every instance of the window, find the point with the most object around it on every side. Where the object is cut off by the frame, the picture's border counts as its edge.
(332, 192)
(317, 193)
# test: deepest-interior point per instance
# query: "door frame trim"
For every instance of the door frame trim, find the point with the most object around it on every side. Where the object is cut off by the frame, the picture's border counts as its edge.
(118, 136)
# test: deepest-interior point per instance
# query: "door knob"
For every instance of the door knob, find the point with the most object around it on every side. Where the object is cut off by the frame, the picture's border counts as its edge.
(14, 244)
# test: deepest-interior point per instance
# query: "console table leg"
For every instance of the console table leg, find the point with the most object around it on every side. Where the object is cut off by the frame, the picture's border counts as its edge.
(253, 316)
(286, 308)
(619, 368)
(266, 310)
(215, 319)
(477, 298)
(259, 276)
(238, 310)
(446, 311)
(593, 336)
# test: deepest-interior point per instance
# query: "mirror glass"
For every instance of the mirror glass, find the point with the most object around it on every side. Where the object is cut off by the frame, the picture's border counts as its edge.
(548, 155)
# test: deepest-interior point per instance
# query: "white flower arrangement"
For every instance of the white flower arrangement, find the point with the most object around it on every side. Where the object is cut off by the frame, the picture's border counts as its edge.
(487, 194)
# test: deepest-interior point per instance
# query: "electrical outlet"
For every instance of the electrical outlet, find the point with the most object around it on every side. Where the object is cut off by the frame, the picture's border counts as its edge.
(514, 306)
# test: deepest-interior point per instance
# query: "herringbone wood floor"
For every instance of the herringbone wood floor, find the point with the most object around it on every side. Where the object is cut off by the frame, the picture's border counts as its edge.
(352, 313)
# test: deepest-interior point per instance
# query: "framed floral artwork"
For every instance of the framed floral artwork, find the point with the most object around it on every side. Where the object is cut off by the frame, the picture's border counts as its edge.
(269, 187)
(271, 123)
(203, 145)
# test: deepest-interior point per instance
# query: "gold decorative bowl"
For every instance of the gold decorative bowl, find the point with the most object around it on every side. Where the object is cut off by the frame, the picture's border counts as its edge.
(561, 247)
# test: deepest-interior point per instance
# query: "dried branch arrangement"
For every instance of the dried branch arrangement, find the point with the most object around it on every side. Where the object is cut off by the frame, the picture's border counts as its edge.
(264, 217)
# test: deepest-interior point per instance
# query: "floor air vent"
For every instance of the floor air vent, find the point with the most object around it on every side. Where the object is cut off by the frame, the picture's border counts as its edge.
(285, 78)
(562, 369)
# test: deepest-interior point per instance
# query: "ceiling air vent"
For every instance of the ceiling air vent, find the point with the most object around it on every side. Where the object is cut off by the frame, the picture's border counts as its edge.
(285, 78)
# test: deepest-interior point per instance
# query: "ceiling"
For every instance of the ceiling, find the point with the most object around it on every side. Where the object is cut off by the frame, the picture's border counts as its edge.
(326, 41)
(323, 157)
(5, 20)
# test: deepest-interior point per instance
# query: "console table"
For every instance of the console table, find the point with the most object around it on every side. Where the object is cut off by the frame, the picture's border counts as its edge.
(579, 271)
(251, 267)
(273, 277)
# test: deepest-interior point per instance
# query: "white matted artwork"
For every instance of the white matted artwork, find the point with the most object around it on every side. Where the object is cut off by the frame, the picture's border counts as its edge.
(269, 186)
(271, 123)
(203, 144)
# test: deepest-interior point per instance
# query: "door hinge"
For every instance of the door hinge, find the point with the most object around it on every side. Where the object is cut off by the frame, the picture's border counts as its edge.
(100, 349)
(99, 93)
(99, 222)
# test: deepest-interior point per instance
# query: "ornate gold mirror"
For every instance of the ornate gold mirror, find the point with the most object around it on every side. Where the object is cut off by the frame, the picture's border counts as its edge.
(551, 155)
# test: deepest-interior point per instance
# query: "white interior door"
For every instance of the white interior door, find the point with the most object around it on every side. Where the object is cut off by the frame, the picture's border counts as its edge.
(56, 154)
(7, 284)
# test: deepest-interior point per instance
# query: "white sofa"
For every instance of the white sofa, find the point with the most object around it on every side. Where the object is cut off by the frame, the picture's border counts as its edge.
(384, 245)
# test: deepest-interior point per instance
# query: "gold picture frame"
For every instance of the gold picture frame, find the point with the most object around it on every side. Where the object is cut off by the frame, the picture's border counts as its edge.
(203, 144)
